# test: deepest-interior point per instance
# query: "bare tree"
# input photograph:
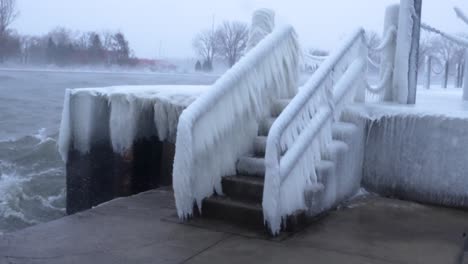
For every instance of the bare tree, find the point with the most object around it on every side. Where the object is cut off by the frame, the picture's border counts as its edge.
(231, 41)
(8, 14)
(204, 44)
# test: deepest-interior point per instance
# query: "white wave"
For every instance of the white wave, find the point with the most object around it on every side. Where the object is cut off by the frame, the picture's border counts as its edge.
(11, 190)
(47, 202)
(42, 136)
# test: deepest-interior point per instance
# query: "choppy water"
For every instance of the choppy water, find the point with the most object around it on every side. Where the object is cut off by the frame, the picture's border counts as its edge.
(32, 175)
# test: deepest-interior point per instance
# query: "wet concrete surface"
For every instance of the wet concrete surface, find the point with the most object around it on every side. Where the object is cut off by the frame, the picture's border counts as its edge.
(135, 230)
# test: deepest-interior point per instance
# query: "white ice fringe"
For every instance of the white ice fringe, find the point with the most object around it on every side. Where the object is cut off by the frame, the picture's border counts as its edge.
(221, 125)
(64, 139)
(121, 115)
(302, 132)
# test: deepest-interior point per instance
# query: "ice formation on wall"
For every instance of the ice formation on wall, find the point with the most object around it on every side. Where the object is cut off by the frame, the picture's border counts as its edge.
(419, 158)
(221, 125)
(122, 114)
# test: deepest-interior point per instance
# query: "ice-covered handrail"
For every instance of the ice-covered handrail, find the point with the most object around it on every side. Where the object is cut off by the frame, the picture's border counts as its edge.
(303, 129)
(389, 36)
(316, 58)
(386, 68)
(461, 15)
(459, 40)
(221, 125)
(379, 88)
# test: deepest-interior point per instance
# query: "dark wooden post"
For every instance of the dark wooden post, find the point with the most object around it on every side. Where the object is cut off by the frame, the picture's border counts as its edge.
(407, 52)
(414, 53)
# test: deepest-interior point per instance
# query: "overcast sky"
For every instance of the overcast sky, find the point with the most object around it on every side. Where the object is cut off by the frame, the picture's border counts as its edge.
(168, 26)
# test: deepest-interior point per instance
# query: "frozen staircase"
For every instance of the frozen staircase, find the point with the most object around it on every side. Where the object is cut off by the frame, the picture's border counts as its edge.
(241, 202)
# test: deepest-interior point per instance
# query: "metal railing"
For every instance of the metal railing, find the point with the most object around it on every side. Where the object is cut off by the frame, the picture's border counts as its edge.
(303, 130)
(220, 126)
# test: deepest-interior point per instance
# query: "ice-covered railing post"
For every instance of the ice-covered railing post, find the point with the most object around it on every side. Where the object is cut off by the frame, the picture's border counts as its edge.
(221, 125)
(465, 78)
(446, 74)
(460, 72)
(428, 71)
(407, 52)
(388, 54)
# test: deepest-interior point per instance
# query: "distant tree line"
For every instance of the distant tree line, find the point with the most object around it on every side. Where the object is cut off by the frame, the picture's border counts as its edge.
(60, 46)
(63, 47)
(227, 42)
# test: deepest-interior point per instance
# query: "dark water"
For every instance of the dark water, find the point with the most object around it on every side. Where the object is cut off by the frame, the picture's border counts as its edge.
(32, 175)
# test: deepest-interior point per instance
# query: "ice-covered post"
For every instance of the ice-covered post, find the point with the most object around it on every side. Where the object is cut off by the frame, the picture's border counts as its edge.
(407, 52)
(462, 74)
(446, 75)
(428, 71)
(459, 75)
(465, 78)
(388, 54)
(263, 23)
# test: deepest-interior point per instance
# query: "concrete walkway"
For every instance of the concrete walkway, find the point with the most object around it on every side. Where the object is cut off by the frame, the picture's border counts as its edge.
(137, 230)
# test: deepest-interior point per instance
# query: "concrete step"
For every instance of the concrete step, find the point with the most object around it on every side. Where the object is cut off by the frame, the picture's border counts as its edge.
(333, 151)
(316, 199)
(324, 170)
(240, 213)
(248, 215)
(344, 131)
(265, 125)
(260, 146)
(251, 166)
(243, 188)
(278, 106)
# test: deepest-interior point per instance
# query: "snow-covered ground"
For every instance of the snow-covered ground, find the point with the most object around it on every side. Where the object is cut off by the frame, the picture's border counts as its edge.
(435, 101)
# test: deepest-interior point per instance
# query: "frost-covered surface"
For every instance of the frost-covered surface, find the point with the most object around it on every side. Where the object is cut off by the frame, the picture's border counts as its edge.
(419, 152)
(303, 131)
(221, 125)
(123, 114)
(435, 101)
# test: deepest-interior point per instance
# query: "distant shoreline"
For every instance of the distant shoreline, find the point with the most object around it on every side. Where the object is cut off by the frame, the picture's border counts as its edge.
(101, 71)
